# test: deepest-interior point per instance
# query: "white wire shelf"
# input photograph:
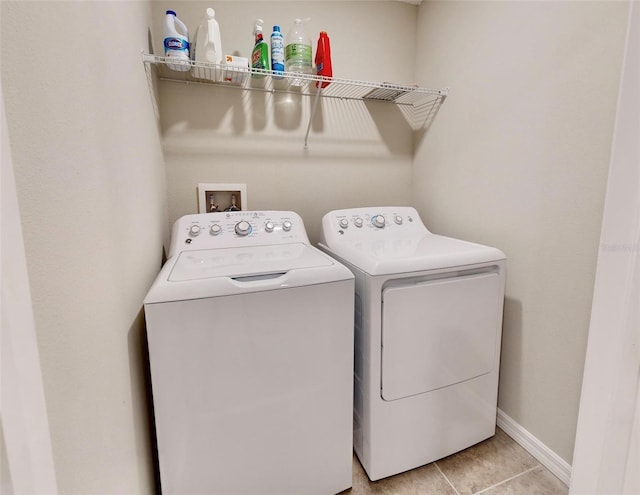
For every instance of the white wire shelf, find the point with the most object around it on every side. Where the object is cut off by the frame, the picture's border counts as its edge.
(418, 105)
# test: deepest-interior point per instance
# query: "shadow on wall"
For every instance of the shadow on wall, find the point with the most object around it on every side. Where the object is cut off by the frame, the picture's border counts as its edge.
(141, 398)
(389, 120)
(423, 115)
(202, 118)
(512, 345)
(198, 107)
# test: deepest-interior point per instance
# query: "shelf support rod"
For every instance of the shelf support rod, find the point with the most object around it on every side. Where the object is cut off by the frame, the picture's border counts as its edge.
(313, 112)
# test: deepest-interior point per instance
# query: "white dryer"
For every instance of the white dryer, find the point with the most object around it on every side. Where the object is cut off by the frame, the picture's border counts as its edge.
(428, 328)
(250, 337)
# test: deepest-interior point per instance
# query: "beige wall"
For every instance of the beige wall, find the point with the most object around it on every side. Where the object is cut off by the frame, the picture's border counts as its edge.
(356, 157)
(518, 158)
(91, 187)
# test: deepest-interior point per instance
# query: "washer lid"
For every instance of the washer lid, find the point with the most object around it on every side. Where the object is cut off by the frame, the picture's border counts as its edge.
(247, 261)
(400, 255)
(232, 271)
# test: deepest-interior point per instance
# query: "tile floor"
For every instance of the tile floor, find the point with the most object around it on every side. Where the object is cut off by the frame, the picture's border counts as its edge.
(497, 466)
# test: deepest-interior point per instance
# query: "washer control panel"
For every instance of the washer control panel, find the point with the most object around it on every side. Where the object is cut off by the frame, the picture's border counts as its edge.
(236, 228)
(371, 223)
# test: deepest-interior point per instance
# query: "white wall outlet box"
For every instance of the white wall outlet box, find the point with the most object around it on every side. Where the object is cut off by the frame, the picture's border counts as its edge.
(219, 197)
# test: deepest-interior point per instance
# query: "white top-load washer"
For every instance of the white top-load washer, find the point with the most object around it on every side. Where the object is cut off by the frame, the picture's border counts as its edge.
(428, 329)
(250, 337)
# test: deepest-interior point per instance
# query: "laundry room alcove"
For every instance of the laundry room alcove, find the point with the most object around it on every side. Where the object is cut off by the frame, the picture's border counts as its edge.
(360, 131)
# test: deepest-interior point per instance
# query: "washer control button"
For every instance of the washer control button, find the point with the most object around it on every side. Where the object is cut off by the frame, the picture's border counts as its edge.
(243, 228)
(358, 222)
(215, 229)
(344, 223)
(378, 221)
(286, 225)
(194, 230)
(269, 226)
(398, 219)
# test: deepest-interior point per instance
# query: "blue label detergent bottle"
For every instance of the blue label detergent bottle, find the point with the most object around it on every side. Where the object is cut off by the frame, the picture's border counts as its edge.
(176, 43)
(277, 53)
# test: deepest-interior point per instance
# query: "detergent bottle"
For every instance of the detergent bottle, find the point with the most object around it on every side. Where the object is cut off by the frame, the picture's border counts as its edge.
(323, 59)
(277, 53)
(207, 47)
(176, 43)
(260, 53)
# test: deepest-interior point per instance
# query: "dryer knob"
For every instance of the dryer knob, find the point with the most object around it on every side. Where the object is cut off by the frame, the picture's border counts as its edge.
(398, 219)
(243, 228)
(194, 230)
(379, 221)
(286, 225)
(358, 222)
(215, 229)
(344, 223)
(269, 226)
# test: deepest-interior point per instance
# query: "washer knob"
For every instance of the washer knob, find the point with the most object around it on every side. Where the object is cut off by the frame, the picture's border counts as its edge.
(215, 229)
(269, 226)
(344, 223)
(358, 222)
(379, 221)
(286, 225)
(398, 219)
(194, 230)
(243, 228)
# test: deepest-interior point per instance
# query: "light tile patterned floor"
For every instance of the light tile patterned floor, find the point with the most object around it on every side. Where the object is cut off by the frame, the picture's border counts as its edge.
(497, 466)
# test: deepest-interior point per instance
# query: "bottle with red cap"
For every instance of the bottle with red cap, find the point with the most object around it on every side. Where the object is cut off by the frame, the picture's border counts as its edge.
(323, 59)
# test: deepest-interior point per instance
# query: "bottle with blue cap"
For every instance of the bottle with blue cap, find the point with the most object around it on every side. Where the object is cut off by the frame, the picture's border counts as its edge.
(176, 42)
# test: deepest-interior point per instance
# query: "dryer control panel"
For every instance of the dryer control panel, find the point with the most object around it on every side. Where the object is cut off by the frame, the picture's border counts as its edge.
(236, 228)
(382, 222)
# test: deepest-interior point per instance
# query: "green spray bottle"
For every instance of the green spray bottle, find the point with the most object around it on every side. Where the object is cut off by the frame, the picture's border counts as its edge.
(260, 53)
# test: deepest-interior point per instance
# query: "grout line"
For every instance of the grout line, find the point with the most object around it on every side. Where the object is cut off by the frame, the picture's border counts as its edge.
(508, 479)
(445, 477)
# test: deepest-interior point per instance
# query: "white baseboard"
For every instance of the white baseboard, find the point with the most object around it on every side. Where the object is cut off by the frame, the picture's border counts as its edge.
(545, 456)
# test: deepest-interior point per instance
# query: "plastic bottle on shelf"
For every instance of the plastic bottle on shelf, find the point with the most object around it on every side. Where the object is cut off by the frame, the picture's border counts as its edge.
(298, 51)
(323, 59)
(260, 53)
(176, 43)
(207, 47)
(277, 52)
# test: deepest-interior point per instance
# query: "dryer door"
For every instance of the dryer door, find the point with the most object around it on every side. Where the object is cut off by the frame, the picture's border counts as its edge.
(438, 333)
